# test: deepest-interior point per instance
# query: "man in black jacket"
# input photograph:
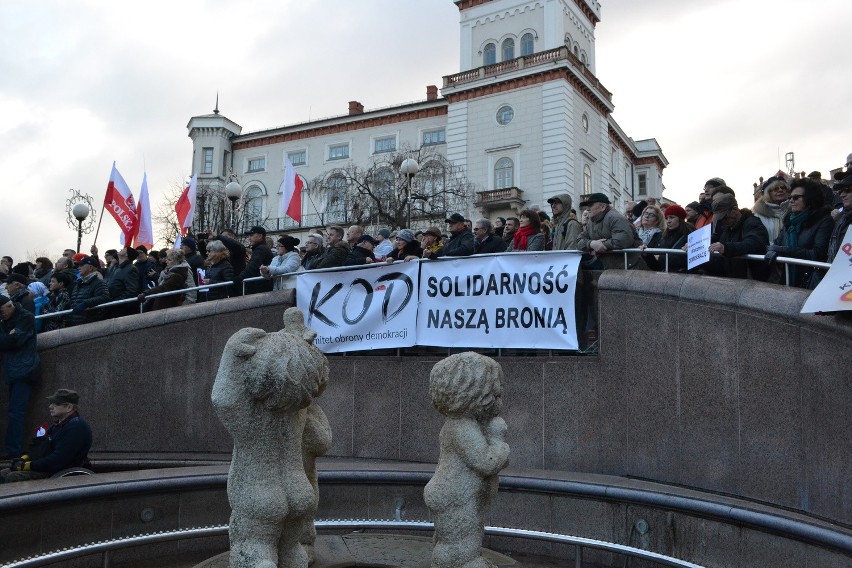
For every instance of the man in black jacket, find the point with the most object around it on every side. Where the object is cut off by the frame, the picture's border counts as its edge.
(362, 252)
(65, 444)
(19, 367)
(736, 232)
(89, 291)
(261, 255)
(191, 256)
(485, 241)
(461, 240)
(123, 283)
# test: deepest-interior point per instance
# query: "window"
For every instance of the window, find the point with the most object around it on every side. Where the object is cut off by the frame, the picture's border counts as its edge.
(585, 121)
(504, 173)
(626, 175)
(298, 158)
(386, 144)
(253, 206)
(587, 180)
(583, 58)
(432, 176)
(577, 51)
(612, 161)
(335, 205)
(508, 49)
(256, 164)
(383, 185)
(433, 137)
(489, 54)
(207, 163)
(527, 44)
(643, 184)
(505, 114)
(338, 152)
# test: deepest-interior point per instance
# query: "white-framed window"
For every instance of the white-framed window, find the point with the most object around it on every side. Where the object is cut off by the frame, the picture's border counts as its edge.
(338, 151)
(384, 144)
(527, 44)
(626, 174)
(504, 173)
(489, 54)
(298, 157)
(256, 164)
(643, 184)
(508, 49)
(207, 160)
(433, 137)
(612, 161)
(505, 114)
(587, 179)
(335, 204)
(253, 206)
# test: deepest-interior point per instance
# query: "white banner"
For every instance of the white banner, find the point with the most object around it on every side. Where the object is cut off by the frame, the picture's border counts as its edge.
(834, 292)
(510, 300)
(358, 310)
(698, 247)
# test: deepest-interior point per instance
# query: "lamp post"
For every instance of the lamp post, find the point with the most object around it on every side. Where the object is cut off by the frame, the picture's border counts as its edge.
(233, 191)
(409, 168)
(80, 212)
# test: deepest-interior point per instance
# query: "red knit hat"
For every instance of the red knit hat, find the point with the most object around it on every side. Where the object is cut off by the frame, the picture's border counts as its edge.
(675, 210)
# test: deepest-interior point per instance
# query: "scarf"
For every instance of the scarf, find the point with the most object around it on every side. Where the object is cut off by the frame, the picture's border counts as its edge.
(795, 227)
(519, 241)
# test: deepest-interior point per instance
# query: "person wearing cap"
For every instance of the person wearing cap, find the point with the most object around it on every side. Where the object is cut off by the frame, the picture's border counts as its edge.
(189, 247)
(16, 287)
(65, 444)
(336, 249)
(88, 292)
(563, 229)
(772, 205)
(607, 230)
(384, 246)
(431, 240)
(406, 247)
(485, 241)
(461, 240)
(843, 220)
(362, 253)
(20, 367)
(286, 260)
(736, 232)
(261, 255)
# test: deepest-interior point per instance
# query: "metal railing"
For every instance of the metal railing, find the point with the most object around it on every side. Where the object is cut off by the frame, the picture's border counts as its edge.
(106, 547)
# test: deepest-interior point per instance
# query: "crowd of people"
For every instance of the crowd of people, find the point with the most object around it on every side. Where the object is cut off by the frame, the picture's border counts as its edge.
(801, 217)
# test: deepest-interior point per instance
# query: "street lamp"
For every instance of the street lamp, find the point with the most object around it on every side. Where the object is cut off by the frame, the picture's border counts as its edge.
(233, 191)
(409, 168)
(80, 212)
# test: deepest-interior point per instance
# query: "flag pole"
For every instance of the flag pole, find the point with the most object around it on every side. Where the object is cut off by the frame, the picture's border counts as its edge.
(98, 230)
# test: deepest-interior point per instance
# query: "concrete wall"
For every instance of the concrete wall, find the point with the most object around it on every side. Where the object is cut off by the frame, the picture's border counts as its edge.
(718, 385)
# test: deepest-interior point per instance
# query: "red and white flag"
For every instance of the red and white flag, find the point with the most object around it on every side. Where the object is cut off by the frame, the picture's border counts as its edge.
(145, 232)
(185, 207)
(291, 194)
(120, 204)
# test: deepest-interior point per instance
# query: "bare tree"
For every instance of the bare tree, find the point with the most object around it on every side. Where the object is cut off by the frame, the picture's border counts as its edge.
(379, 193)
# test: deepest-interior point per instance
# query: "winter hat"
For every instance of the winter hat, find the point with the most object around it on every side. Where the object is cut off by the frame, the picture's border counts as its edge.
(385, 233)
(675, 210)
(190, 242)
(406, 235)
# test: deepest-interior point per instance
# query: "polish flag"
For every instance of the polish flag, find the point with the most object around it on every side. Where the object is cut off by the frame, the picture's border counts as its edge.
(144, 233)
(291, 194)
(185, 207)
(120, 204)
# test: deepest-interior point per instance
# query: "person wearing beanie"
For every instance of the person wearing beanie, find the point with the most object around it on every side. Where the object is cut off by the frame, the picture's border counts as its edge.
(192, 257)
(385, 245)
(674, 236)
(406, 247)
(692, 212)
(285, 261)
(20, 367)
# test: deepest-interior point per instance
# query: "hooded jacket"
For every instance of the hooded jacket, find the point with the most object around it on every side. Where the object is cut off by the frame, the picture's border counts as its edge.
(564, 230)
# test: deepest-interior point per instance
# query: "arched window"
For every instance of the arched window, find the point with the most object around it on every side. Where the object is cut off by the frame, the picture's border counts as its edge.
(383, 184)
(508, 49)
(504, 173)
(527, 44)
(335, 204)
(432, 179)
(587, 180)
(253, 206)
(577, 51)
(583, 58)
(489, 54)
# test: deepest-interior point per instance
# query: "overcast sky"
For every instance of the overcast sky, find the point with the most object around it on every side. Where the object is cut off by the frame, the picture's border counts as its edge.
(724, 86)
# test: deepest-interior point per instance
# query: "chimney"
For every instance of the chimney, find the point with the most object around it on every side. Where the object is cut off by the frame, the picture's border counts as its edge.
(431, 93)
(355, 108)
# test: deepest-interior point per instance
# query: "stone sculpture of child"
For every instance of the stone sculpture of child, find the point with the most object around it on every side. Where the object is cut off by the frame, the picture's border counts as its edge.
(264, 384)
(316, 438)
(466, 388)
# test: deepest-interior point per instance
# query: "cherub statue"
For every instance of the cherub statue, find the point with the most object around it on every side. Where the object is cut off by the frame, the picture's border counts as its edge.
(264, 384)
(466, 388)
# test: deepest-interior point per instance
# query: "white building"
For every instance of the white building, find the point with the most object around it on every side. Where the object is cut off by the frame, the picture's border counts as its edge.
(525, 118)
